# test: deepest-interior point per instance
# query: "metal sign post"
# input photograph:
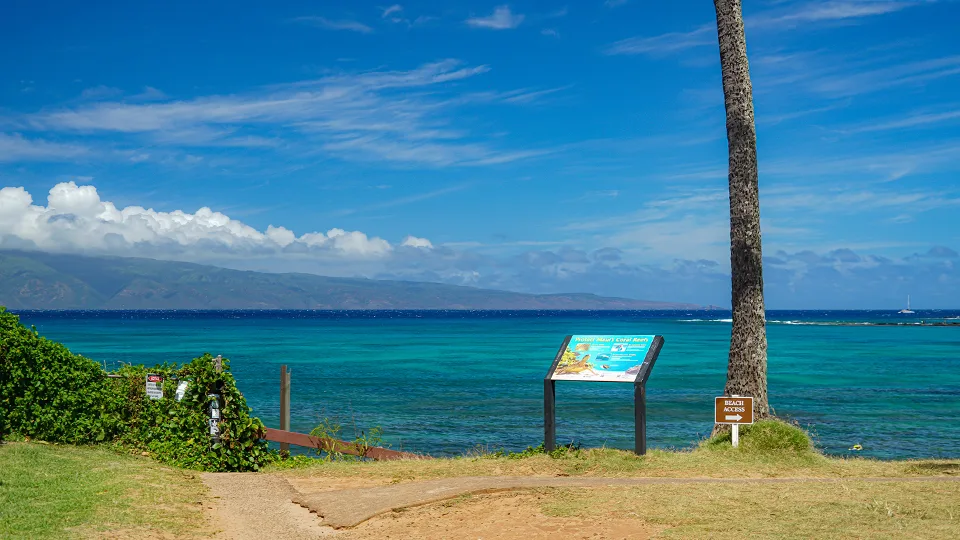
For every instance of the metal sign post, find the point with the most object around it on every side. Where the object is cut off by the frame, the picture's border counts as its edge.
(603, 359)
(734, 410)
(214, 419)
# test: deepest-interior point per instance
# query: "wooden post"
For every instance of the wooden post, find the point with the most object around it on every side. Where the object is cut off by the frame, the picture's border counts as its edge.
(284, 406)
(640, 418)
(549, 414)
(218, 363)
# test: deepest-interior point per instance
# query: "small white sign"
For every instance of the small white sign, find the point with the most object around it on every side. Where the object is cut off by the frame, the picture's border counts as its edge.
(154, 386)
(181, 390)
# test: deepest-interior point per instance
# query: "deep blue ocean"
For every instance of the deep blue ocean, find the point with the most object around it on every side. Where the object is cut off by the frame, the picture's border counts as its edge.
(447, 382)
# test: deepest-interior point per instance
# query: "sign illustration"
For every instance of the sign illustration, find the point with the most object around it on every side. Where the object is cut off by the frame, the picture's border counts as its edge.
(602, 358)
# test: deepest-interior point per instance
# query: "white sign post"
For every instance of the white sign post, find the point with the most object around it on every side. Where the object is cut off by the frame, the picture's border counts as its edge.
(735, 436)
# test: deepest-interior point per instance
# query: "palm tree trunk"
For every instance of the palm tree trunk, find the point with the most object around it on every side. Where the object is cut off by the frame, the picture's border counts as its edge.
(747, 363)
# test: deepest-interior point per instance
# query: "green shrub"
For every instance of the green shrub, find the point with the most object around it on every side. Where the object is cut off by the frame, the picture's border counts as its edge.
(48, 393)
(51, 394)
(329, 430)
(765, 436)
(562, 451)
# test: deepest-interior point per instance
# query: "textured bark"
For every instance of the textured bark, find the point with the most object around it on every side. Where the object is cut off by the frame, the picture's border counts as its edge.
(747, 363)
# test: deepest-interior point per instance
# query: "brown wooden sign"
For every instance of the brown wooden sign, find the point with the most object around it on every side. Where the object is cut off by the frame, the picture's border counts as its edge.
(733, 410)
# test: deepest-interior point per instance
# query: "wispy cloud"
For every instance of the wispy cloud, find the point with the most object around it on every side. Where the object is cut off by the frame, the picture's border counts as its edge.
(853, 164)
(842, 75)
(330, 24)
(915, 120)
(382, 115)
(516, 96)
(841, 82)
(395, 14)
(665, 43)
(395, 8)
(14, 147)
(854, 199)
(694, 222)
(501, 19)
(409, 199)
(793, 16)
(100, 92)
(553, 32)
(826, 11)
(614, 3)
(773, 119)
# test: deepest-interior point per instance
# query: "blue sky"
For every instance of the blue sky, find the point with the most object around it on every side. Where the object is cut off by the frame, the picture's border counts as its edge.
(561, 147)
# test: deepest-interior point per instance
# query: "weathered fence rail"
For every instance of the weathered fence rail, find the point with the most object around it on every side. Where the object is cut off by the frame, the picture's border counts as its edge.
(286, 437)
(334, 445)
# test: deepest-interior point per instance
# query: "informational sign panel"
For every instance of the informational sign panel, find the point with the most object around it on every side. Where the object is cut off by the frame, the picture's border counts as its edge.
(733, 410)
(602, 358)
(154, 386)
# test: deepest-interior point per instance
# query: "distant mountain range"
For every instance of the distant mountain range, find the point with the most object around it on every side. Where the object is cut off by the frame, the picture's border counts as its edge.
(35, 280)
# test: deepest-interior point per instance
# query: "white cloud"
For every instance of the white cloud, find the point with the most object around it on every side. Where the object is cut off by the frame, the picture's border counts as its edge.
(691, 226)
(414, 242)
(75, 219)
(501, 19)
(328, 24)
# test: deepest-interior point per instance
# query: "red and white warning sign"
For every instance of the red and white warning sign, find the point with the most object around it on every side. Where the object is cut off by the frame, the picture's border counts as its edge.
(154, 386)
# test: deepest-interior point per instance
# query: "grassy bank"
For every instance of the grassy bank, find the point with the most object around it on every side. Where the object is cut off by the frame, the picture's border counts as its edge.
(801, 510)
(851, 509)
(768, 449)
(52, 491)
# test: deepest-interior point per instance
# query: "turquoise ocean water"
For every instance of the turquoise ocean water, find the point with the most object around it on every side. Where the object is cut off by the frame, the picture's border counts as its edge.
(446, 382)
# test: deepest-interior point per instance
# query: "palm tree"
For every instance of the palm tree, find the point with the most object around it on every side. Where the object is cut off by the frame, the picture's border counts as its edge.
(747, 363)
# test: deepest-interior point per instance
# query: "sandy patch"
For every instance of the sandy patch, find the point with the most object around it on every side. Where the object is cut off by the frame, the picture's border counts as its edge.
(511, 515)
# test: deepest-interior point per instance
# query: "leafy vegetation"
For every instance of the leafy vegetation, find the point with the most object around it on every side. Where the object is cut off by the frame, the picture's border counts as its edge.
(329, 431)
(572, 449)
(51, 394)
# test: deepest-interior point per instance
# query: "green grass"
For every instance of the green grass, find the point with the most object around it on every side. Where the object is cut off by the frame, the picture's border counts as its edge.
(850, 509)
(765, 436)
(51, 491)
(767, 449)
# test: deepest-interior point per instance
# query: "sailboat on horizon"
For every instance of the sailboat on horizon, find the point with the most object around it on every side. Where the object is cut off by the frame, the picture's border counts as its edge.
(908, 310)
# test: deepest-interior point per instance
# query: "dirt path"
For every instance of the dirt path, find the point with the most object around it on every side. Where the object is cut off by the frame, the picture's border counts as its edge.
(253, 506)
(256, 505)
